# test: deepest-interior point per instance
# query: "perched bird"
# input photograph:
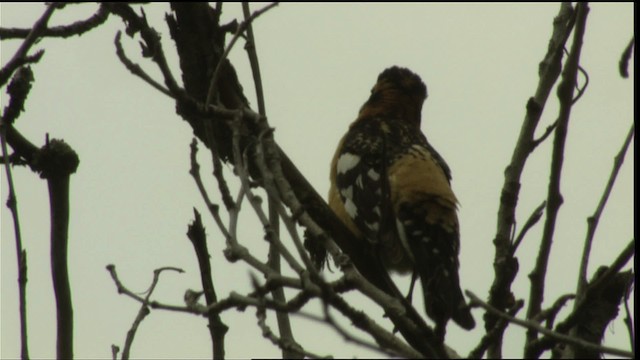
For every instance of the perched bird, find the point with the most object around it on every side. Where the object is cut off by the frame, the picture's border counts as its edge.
(390, 186)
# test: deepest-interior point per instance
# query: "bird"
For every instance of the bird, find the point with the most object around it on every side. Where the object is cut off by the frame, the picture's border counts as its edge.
(391, 187)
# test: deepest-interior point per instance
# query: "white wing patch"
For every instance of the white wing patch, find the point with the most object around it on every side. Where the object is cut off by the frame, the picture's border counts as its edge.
(403, 238)
(346, 162)
(373, 175)
(351, 208)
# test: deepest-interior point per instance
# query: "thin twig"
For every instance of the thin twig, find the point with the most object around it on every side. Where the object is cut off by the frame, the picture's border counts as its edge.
(77, 28)
(593, 291)
(144, 309)
(549, 315)
(533, 219)
(135, 69)
(194, 171)
(152, 47)
(18, 58)
(284, 324)
(18, 90)
(566, 89)
(489, 337)
(628, 321)
(623, 65)
(241, 28)
(217, 329)
(287, 345)
(21, 254)
(234, 300)
(217, 166)
(617, 265)
(548, 131)
(534, 326)
(253, 199)
(328, 318)
(593, 220)
(581, 89)
(362, 321)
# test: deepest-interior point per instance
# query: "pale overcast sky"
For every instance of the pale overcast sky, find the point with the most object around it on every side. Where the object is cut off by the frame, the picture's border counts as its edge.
(132, 196)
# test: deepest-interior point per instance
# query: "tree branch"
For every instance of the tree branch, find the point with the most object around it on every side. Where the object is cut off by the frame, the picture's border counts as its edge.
(533, 219)
(35, 33)
(534, 326)
(554, 197)
(18, 90)
(593, 220)
(505, 264)
(625, 57)
(77, 28)
(58, 161)
(217, 328)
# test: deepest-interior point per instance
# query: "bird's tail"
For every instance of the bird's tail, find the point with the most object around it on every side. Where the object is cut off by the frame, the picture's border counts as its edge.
(444, 300)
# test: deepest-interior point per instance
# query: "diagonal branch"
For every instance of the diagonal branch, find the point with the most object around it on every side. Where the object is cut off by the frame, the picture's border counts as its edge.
(592, 221)
(35, 33)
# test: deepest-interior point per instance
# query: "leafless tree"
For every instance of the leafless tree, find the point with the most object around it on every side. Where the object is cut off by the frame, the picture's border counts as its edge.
(211, 100)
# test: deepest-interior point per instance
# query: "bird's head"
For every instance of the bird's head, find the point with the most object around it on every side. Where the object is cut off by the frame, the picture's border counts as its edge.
(399, 93)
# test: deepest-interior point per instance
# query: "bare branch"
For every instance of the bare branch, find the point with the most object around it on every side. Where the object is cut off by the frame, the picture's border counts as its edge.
(284, 325)
(135, 69)
(144, 309)
(194, 171)
(554, 198)
(544, 136)
(21, 254)
(287, 345)
(253, 200)
(19, 58)
(534, 326)
(223, 58)
(57, 162)
(505, 265)
(607, 281)
(489, 337)
(533, 219)
(217, 328)
(152, 45)
(77, 28)
(628, 321)
(384, 338)
(549, 315)
(593, 220)
(18, 90)
(626, 56)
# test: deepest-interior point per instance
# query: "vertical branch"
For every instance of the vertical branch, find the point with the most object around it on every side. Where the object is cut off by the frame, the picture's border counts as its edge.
(18, 90)
(59, 161)
(217, 328)
(21, 255)
(505, 264)
(554, 198)
(284, 324)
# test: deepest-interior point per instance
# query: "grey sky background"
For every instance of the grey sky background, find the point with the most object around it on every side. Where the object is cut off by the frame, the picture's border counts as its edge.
(132, 196)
